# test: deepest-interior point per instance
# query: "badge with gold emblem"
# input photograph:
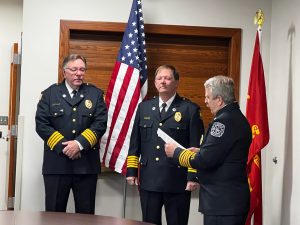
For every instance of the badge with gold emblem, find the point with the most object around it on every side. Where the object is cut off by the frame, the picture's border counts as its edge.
(88, 104)
(177, 116)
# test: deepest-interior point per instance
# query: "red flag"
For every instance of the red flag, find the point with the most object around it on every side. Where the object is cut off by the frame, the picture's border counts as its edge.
(257, 115)
(128, 86)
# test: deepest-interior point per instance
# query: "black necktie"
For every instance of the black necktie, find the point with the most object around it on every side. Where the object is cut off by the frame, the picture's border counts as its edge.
(163, 110)
(74, 92)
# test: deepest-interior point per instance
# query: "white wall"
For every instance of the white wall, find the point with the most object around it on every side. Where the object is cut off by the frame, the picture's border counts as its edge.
(284, 112)
(40, 65)
(10, 32)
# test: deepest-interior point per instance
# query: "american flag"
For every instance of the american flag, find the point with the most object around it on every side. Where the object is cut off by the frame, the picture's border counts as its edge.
(128, 87)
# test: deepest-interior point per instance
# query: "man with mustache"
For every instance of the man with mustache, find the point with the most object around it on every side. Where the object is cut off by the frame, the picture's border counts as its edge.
(71, 118)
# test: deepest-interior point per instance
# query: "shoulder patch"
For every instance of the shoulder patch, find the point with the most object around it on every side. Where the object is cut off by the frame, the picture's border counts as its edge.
(217, 129)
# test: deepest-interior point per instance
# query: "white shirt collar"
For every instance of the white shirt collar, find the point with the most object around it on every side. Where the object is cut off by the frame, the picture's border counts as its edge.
(169, 102)
(69, 88)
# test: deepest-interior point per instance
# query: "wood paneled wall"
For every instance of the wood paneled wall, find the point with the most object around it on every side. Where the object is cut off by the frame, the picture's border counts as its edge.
(197, 53)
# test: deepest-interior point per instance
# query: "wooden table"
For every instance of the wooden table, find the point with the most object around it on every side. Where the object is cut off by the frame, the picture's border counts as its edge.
(56, 218)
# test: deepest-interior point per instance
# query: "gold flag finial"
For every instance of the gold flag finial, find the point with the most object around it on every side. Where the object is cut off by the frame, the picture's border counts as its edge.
(259, 17)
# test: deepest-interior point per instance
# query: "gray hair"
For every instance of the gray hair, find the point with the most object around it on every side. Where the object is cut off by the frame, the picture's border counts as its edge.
(73, 57)
(221, 86)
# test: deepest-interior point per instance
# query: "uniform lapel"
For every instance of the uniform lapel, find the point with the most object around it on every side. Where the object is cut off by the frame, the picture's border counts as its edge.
(155, 108)
(80, 95)
(173, 107)
(64, 94)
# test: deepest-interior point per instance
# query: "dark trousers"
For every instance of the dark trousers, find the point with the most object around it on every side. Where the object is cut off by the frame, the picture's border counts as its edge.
(177, 207)
(57, 190)
(225, 220)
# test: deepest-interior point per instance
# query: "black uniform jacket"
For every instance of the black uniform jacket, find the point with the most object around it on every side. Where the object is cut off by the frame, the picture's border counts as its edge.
(221, 163)
(60, 118)
(183, 123)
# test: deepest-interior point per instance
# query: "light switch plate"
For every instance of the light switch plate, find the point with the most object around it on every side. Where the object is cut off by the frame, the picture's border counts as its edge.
(3, 120)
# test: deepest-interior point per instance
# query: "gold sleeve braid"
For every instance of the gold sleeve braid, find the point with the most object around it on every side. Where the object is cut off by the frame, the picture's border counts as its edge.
(54, 139)
(90, 136)
(191, 170)
(185, 156)
(132, 161)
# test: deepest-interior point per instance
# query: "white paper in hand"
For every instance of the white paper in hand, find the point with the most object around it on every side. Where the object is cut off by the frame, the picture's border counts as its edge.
(166, 138)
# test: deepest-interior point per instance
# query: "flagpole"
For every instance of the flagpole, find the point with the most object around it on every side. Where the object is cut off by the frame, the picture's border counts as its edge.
(124, 197)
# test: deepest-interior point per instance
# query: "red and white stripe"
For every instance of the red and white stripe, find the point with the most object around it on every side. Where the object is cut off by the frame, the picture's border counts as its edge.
(123, 96)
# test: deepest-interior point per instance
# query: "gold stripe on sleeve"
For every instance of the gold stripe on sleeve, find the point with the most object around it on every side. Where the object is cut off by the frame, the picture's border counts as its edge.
(191, 170)
(132, 161)
(89, 136)
(185, 156)
(54, 139)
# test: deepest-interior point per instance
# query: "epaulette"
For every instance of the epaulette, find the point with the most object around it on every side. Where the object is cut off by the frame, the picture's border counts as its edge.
(55, 84)
(148, 99)
(89, 84)
(188, 101)
(185, 99)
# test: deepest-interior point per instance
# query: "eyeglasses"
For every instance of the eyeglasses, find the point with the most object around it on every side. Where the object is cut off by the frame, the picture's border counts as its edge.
(75, 69)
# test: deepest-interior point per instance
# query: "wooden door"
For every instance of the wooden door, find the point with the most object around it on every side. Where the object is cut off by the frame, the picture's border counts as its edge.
(197, 53)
